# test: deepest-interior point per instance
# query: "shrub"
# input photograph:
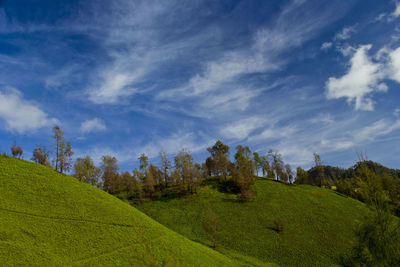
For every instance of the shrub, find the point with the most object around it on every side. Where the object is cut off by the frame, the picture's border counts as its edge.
(278, 225)
(211, 224)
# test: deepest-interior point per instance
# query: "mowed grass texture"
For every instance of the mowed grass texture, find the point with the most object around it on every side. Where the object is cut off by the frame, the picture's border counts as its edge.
(318, 224)
(50, 219)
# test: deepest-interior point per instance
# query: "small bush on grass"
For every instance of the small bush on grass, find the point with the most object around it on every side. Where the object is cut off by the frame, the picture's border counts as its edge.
(278, 225)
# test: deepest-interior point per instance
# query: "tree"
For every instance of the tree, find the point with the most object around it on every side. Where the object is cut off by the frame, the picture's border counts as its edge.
(319, 168)
(220, 157)
(302, 176)
(138, 176)
(189, 173)
(143, 162)
(244, 172)
(258, 162)
(266, 168)
(165, 165)
(109, 166)
(157, 174)
(41, 155)
(379, 235)
(66, 157)
(184, 163)
(58, 136)
(211, 225)
(86, 171)
(16, 151)
(277, 165)
(210, 166)
(63, 160)
(289, 173)
(149, 183)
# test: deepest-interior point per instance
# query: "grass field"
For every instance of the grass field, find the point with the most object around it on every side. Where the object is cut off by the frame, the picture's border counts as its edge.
(318, 224)
(50, 219)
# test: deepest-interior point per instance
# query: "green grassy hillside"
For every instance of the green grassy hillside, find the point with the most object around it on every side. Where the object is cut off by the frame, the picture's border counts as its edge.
(318, 223)
(49, 219)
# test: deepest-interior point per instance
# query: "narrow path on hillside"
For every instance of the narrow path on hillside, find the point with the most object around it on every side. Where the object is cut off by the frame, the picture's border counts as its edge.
(101, 254)
(64, 219)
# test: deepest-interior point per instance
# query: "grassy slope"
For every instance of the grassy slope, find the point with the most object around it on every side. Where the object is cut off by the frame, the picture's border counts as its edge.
(318, 223)
(51, 219)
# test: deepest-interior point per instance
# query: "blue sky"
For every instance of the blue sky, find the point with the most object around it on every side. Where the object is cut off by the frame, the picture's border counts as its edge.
(125, 77)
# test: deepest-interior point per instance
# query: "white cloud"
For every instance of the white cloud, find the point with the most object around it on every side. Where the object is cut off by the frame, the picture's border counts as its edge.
(93, 125)
(361, 80)
(21, 115)
(242, 128)
(325, 46)
(394, 65)
(396, 112)
(345, 33)
(396, 12)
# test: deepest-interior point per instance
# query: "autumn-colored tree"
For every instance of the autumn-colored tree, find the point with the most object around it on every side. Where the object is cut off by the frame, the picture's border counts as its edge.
(149, 183)
(86, 171)
(157, 174)
(41, 155)
(16, 151)
(66, 157)
(109, 166)
(138, 176)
